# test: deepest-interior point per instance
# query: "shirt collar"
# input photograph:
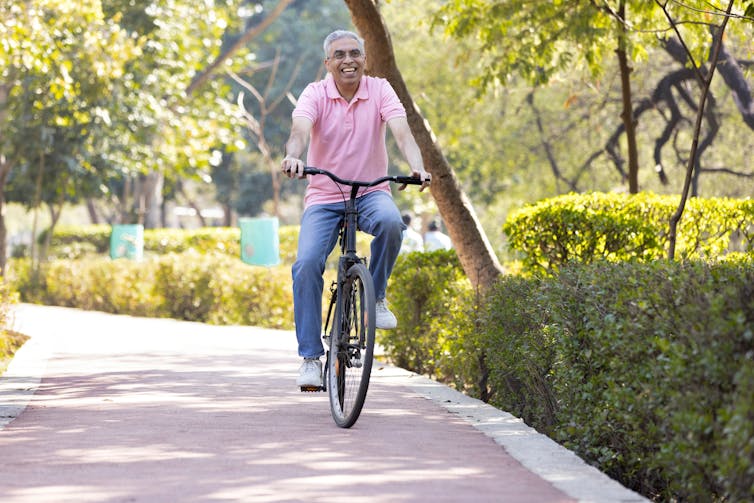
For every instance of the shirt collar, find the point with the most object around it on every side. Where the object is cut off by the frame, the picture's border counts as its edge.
(362, 92)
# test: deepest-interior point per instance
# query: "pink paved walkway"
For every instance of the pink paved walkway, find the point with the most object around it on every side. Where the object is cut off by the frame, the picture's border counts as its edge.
(150, 410)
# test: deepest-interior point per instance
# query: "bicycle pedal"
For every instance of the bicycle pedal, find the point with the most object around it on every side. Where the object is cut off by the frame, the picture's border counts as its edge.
(311, 389)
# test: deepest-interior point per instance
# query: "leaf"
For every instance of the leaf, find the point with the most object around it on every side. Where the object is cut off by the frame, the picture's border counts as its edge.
(749, 12)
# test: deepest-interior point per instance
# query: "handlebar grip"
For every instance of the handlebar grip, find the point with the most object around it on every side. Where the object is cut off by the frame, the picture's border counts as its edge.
(308, 170)
(408, 180)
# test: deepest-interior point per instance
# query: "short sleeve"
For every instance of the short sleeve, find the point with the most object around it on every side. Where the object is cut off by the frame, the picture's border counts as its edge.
(390, 105)
(307, 104)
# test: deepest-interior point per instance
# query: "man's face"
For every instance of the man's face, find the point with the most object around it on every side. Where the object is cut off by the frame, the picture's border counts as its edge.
(345, 62)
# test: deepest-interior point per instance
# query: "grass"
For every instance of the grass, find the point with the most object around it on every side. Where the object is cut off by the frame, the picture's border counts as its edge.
(10, 341)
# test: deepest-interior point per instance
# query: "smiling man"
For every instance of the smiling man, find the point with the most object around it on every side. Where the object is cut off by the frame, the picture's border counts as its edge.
(344, 118)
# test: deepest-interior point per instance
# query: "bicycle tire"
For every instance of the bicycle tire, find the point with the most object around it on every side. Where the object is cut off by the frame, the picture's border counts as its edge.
(351, 347)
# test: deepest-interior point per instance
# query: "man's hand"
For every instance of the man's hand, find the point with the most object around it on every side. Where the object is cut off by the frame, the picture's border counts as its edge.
(292, 166)
(424, 176)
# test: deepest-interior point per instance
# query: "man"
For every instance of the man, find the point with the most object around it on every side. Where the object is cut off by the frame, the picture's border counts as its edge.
(343, 118)
(412, 240)
(435, 239)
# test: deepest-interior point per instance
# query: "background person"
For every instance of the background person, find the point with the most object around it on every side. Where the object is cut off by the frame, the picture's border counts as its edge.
(412, 240)
(343, 118)
(434, 239)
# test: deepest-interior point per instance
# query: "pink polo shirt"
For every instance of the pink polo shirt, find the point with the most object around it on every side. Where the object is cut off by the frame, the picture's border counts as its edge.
(347, 138)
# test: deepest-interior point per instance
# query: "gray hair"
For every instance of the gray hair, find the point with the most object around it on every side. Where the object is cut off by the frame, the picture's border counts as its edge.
(337, 35)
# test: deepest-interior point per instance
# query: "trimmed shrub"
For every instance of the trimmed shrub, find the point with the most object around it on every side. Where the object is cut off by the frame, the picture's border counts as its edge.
(10, 341)
(73, 237)
(645, 370)
(619, 227)
(520, 351)
(435, 306)
(213, 288)
(225, 240)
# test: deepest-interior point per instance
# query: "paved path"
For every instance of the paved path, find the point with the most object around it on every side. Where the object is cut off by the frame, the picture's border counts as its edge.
(104, 408)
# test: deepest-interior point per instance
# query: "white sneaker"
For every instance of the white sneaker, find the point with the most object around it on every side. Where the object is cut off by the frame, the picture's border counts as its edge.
(385, 319)
(310, 374)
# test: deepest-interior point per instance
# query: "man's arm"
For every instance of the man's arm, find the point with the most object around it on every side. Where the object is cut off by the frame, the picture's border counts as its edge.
(292, 164)
(410, 150)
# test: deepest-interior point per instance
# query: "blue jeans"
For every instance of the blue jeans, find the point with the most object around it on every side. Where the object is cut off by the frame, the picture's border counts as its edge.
(378, 216)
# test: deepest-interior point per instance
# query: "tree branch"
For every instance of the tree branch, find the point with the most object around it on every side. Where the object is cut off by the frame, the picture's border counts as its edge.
(248, 35)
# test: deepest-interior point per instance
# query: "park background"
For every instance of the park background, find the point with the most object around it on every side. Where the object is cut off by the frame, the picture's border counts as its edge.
(173, 114)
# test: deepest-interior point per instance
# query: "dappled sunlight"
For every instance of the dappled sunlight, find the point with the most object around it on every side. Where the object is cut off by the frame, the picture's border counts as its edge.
(52, 493)
(125, 454)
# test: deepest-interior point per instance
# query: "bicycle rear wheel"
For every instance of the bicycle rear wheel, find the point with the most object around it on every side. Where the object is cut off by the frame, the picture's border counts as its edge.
(351, 347)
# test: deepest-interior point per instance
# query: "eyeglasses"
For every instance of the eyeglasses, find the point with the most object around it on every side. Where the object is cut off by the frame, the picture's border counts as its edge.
(341, 55)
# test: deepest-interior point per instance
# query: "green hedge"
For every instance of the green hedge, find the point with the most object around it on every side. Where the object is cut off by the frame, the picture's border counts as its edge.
(645, 370)
(10, 341)
(435, 305)
(618, 227)
(74, 242)
(209, 287)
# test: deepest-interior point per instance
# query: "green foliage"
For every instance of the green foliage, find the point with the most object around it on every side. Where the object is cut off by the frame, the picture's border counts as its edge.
(520, 353)
(77, 241)
(97, 93)
(617, 227)
(643, 369)
(69, 237)
(210, 287)
(567, 35)
(226, 240)
(434, 304)
(10, 341)
(60, 63)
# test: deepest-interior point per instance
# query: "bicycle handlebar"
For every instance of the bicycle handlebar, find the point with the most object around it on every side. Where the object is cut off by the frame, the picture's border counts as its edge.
(406, 180)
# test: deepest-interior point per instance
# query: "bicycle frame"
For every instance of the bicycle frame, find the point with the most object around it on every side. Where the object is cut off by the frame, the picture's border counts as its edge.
(349, 328)
(348, 257)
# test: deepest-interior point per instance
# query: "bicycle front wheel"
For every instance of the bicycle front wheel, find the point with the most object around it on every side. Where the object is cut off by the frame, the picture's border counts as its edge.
(351, 347)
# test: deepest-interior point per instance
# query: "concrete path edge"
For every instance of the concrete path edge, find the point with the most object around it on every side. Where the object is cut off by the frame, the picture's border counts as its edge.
(537, 452)
(21, 379)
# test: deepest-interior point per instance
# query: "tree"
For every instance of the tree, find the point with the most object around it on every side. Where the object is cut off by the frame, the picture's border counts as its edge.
(287, 56)
(162, 132)
(116, 72)
(540, 41)
(54, 82)
(474, 251)
(566, 35)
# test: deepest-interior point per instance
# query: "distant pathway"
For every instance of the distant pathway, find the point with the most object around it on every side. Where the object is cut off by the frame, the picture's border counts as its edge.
(124, 409)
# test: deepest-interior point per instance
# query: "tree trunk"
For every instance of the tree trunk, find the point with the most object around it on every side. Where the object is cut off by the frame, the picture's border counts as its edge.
(91, 209)
(4, 171)
(250, 33)
(628, 109)
(474, 250)
(5, 167)
(717, 37)
(149, 196)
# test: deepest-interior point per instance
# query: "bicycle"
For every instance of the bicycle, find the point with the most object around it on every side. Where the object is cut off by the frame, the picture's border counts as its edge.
(349, 327)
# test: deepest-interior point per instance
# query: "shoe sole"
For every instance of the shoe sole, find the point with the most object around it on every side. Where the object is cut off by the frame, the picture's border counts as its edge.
(312, 389)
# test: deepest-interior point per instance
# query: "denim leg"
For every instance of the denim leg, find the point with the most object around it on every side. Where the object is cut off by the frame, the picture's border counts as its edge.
(317, 238)
(380, 217)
